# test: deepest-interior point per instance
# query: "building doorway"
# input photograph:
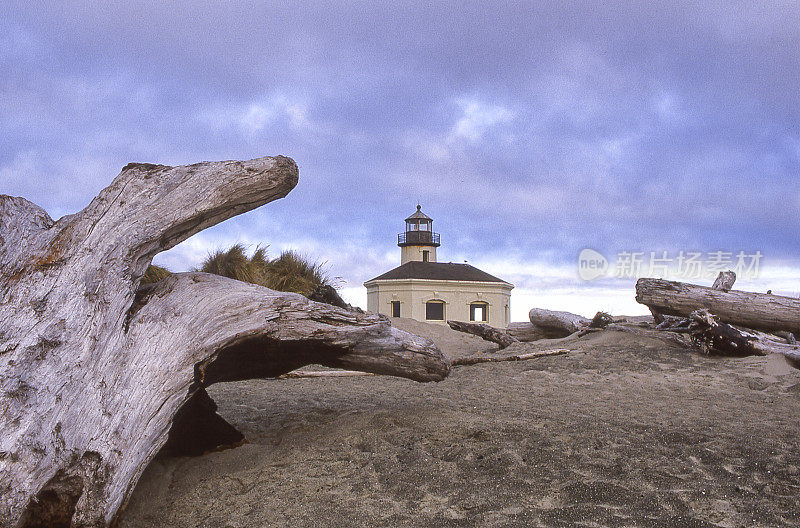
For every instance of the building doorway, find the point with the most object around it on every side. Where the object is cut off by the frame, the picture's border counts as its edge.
(479, 312)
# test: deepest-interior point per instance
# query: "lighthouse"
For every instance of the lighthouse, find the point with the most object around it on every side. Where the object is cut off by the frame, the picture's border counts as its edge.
(418, 243)
(424, 289)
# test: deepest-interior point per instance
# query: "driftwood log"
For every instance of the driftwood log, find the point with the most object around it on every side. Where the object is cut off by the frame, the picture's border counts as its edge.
(476, 360)
(563, 323)
(724, 282)
(96, 375)
(545, 324)
(489, 333)
(758, 311)
(714, 336)
(299, 374)
(525, 331)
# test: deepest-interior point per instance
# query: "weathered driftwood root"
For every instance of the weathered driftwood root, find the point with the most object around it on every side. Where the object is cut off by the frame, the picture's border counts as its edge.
(673, 324)
(95, 377)
(474, 360)
(759, 311)
(489, 333)
(717, 337)
(601, 320)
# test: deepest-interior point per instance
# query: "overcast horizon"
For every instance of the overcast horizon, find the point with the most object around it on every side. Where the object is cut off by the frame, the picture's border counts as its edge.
(527, 132)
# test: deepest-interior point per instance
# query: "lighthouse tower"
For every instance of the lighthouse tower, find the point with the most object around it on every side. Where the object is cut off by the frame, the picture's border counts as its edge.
(419, 242)
(423, 289)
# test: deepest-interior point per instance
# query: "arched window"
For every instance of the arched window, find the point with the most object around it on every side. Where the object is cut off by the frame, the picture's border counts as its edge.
(479, 311)
(434, 310)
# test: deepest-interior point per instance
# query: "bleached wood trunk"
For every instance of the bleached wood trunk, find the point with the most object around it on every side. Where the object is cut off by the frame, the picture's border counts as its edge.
(759, 311)
(477, 360)
(484, 331)
(526, 331)
(724, 281)
(566, 322)
(96, 374)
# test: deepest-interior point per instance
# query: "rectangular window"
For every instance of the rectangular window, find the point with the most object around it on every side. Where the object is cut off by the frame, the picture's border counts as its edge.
(425, 253)
(434, 311)
(395, 308)
(479, 312)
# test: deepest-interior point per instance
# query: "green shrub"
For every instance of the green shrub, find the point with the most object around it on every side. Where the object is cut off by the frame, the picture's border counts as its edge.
(235, 264)
(290, 272)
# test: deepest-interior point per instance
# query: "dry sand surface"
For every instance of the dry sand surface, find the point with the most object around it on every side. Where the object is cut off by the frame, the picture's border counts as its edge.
(626, 430)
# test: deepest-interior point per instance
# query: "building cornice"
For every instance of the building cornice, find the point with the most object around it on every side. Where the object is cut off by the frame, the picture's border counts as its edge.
(378, 282)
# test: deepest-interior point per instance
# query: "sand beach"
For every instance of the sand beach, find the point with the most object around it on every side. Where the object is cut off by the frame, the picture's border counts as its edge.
(626, 430)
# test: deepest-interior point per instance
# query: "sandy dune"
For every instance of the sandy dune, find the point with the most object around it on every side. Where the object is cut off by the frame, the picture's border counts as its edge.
(624, 431)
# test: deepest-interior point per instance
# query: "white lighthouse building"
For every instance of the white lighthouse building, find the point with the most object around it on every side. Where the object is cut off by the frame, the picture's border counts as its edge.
(424, 289)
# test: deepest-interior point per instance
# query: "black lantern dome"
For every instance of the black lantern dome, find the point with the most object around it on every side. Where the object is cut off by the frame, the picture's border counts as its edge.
(419, 231)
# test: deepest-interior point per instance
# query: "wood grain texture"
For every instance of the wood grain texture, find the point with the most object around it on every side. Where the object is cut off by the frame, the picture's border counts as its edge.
(566, 322)
(525, 331)
(759, 311)
(93, 369)
(484, 331)
(717, 337)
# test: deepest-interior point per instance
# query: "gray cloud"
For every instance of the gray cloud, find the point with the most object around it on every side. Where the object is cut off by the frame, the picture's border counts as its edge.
(530, 130)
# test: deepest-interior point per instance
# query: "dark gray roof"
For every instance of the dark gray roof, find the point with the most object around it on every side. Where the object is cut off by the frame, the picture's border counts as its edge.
(437, 271)
(419, 214)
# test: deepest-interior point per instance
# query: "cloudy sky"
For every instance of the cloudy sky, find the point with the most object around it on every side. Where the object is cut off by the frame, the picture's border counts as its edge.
(529, 131)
